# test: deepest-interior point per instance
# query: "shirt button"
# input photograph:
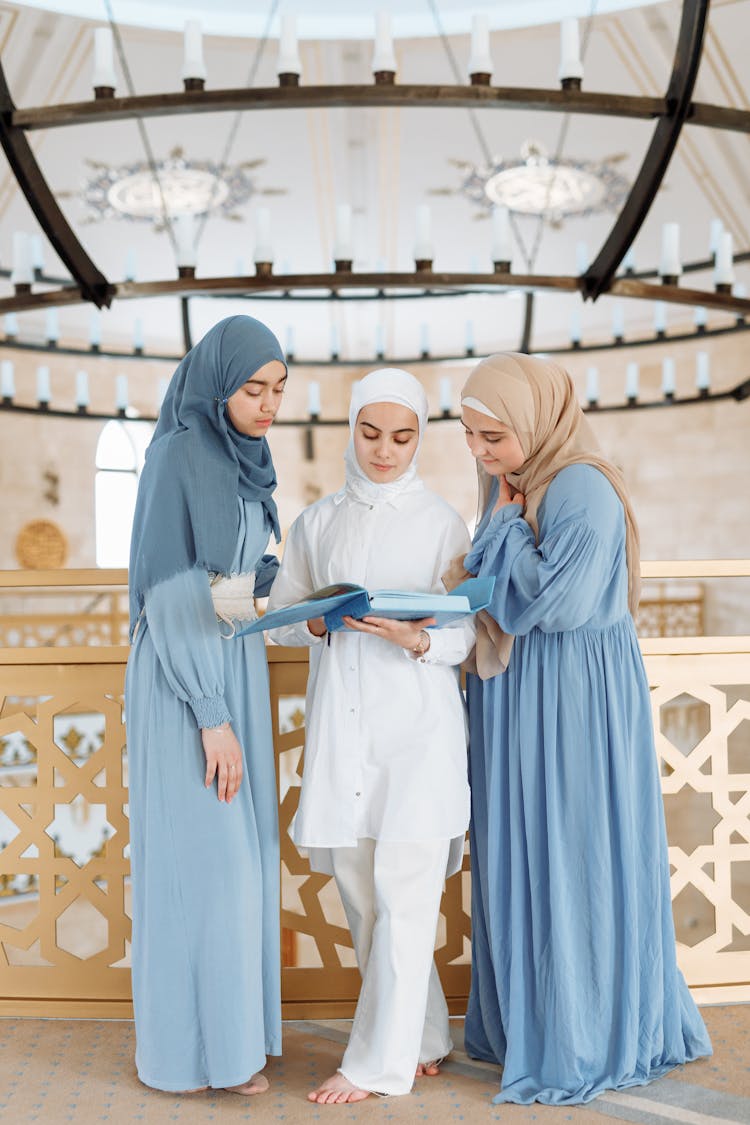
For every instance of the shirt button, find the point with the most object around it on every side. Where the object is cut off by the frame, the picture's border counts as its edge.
(351, 710)
(352, 667)
(357, 794)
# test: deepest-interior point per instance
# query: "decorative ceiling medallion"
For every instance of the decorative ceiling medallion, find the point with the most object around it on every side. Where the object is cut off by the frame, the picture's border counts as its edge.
(541, 185)
(196, 187)
(41, 545)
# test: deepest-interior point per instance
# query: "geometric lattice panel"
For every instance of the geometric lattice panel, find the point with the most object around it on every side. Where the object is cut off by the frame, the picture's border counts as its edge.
(701, 707)
(63, 801)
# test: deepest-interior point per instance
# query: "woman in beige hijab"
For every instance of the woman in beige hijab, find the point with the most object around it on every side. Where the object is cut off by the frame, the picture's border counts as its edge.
(575, 987)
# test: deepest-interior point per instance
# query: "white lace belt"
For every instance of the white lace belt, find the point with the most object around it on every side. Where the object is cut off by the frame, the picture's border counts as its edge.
(233, 599)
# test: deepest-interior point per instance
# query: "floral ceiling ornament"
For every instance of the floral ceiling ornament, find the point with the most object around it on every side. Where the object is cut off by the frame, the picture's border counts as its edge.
(197, 187)
(541, 185)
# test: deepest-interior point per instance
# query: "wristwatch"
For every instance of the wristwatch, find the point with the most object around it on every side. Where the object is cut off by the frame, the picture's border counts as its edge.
(422, 644)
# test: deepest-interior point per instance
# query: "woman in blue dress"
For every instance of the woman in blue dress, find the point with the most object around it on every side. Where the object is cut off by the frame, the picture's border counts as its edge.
(575, 986)
(203, 807)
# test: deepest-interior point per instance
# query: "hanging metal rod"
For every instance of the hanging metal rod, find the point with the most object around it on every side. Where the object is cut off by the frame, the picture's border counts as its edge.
(739, 393)
(633, 213)
(334, 283)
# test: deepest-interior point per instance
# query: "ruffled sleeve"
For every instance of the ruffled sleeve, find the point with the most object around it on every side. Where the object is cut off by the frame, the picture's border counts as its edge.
(185, 634)
(559, 583)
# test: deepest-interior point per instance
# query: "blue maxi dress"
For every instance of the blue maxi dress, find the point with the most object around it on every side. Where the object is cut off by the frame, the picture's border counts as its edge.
(575, 986)
(206, 960)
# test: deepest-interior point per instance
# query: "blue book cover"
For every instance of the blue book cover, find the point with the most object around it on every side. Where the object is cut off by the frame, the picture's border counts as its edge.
(344, 599)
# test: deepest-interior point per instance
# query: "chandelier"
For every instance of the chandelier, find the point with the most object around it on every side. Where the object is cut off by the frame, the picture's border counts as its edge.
(544, 186)
(179, 185)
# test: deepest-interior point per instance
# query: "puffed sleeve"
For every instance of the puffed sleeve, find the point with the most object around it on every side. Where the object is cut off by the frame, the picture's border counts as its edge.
(559, 583)
(293, 583)
(185, 633)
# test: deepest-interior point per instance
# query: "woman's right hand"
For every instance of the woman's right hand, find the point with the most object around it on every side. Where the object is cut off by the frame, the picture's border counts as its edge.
(223, 759)
(506, 495)
(317, 627)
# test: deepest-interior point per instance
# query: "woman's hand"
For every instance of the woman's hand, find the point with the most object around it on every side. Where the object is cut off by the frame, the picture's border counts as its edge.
(223, 759)
(317, 627)
(506, 495)
(405, 634)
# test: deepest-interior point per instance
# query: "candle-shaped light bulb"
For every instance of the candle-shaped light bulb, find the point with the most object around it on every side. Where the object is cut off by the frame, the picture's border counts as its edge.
(334, 342)
(571, 67)
(52, 327)
(313, 400)
(95, 329)
(130, 265)
(700, 317)
(184, 233)
(668, 382)
(575, 327)
(582, 257)
(289, 342)
(424, 340)
(288, 61)
(11, 325)
(618, 321)
(104, 77)
(43, 389)
(37, 254)
(379, 341)
(138, 341)
(670, 265)
(502, 250)
(469, 337)
(23, 266)
(7, 380)
(480, 59)
(702, 372)
(740, 290)
(724, 271)
(263, 244)
(446, 395)
(628, 262)
(423, 250)
(714, 235)
(193, 64)
(660, 318)
(383, 59)
(82, 390)
(592, 385)
(121, 393)
(631, 382)
(342, 247)
(161, 393)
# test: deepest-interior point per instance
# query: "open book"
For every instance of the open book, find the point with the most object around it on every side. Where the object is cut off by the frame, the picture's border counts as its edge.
(344, 599)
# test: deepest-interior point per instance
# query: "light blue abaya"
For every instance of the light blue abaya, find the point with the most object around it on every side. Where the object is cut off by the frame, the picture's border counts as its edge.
(575, 987)
(206, 974)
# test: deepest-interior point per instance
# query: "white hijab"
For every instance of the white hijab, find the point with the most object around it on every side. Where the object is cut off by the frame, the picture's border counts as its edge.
(387, 384)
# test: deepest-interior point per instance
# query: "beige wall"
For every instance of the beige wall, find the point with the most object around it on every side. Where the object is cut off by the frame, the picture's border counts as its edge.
(688, 467)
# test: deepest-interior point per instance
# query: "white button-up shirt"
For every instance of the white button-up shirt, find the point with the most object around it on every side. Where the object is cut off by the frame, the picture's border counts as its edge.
(385, 738)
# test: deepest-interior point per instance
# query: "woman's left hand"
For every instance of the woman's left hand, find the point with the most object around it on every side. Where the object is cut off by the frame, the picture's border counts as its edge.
(405, 634)
(507, 495)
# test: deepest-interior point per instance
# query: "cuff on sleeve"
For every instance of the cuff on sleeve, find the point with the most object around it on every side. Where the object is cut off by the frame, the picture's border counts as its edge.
(210, 711)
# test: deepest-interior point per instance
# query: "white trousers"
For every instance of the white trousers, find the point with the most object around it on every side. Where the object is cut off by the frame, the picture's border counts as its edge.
(391, 895)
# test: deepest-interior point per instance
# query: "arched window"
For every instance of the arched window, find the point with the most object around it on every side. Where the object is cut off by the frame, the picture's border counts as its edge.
(119, 458)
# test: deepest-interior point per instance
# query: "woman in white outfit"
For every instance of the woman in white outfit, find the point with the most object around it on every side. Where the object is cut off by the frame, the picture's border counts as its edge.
(385, 799)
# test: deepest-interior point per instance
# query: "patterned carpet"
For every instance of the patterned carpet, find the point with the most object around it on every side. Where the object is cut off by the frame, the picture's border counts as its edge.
(81, 1071)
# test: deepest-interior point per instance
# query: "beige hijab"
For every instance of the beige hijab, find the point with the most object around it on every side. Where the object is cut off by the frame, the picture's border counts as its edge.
(537, 400)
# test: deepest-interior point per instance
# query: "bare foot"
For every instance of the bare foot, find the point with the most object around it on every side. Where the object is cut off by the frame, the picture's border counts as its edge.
(336, 1091)
(428, 1069)
(258, 1084)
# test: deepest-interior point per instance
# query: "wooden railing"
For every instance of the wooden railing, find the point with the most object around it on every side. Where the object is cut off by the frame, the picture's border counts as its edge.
(64, 872)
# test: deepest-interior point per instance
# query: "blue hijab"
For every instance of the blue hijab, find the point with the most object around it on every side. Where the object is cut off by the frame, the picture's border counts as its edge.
(197, 463)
